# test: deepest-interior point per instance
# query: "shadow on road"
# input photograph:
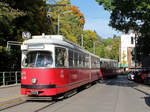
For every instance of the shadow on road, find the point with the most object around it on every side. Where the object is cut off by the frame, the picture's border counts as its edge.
(142, 91)
(147, 100)
(121, 80)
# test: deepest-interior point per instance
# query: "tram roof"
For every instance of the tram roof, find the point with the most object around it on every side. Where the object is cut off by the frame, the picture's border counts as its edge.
(55, 39)
(104, 59)
(49, 39)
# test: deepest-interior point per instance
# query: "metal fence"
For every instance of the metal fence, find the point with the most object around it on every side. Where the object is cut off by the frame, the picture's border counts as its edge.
(7, 78)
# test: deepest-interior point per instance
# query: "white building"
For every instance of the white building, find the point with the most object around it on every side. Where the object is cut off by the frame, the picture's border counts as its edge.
(127, 45)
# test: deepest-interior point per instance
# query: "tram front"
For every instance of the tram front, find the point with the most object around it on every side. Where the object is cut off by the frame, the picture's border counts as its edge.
(37, 67)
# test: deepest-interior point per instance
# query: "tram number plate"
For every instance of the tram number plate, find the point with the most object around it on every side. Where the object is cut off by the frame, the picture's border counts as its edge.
(34, 92)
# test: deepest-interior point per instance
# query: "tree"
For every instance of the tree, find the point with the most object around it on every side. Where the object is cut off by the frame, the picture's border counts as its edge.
(115, 48)
(71, 23)
(124, 62)
(133, 15)
(89, 38)
(17, 17)
(7, 15)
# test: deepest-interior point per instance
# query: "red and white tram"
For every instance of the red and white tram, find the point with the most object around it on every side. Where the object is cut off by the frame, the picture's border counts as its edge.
(108, 67)
(52, 65)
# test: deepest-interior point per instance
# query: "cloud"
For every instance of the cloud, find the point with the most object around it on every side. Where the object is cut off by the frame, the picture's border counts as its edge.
(101, 27)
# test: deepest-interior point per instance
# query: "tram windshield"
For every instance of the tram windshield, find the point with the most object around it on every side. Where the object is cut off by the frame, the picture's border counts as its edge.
(37, 59)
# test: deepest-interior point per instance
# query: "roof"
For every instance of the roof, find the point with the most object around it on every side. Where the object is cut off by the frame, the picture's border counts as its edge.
(55, 39)
(104, 59)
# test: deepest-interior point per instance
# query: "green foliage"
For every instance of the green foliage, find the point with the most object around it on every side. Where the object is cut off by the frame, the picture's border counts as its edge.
(123, 58)
(133, 15)
(89, 38)
(107, 4)
(17, 16)
(104, 48)
(71, 21)
(115, 48)
(7, 15)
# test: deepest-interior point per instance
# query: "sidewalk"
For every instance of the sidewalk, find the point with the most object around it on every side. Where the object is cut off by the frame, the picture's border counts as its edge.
(10, 95)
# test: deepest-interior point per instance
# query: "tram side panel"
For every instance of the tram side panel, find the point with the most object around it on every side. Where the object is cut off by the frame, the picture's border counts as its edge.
(77, 77)
(73, 78)
(61, 80)
(84, 75)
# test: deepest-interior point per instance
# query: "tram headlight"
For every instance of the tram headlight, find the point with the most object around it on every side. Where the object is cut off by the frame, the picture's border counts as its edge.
(34, 80)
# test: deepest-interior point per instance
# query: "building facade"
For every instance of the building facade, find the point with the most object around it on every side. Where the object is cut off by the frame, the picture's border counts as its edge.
(126, 46)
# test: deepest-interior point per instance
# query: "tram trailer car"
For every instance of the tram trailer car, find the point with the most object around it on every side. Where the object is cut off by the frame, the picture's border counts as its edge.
(109, 68)
(52, 65)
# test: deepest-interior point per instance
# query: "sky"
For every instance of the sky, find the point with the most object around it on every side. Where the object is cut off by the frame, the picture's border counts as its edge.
(96, 18)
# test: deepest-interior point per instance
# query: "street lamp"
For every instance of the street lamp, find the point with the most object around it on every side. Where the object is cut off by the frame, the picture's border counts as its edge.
(49, 16)
(59, 21)
(94, 44)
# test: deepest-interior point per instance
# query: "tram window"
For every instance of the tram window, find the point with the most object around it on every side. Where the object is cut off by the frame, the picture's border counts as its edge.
(97, 63)
(38, 59)
(114, 65)
(75, 59)
(93, 62)
(80, 60)
(83, 60)
(60, 57)
(87, 61)
(132, 40)
(101, 64)
(105, 65)
(70, 58)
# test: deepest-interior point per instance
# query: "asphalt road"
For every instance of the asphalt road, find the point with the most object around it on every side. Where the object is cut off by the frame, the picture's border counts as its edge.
(114, 95)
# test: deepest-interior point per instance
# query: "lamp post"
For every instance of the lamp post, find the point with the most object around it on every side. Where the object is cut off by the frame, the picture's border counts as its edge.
(59, 20)
(135, 50)
(49, 16)
(82, 40)
(94, 44)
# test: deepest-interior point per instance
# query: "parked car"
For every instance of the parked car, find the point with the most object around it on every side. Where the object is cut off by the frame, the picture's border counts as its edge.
(131, 75)
(147, 79)
(139, 76)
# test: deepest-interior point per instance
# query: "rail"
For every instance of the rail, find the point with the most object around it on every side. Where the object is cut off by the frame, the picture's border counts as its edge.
(7, 78)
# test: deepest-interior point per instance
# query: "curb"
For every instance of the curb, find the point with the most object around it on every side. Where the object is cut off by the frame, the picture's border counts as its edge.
(12, 102)
(7, 86)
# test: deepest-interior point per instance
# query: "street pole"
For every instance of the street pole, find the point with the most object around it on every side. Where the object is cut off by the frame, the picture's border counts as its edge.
(58, 24)
(58, 21)
(82, 40)
(135, 51)
(94, 47)
(49, 16)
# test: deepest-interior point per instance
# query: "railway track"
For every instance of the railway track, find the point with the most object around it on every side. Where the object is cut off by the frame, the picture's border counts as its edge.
(56, 105)
(37, 103)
